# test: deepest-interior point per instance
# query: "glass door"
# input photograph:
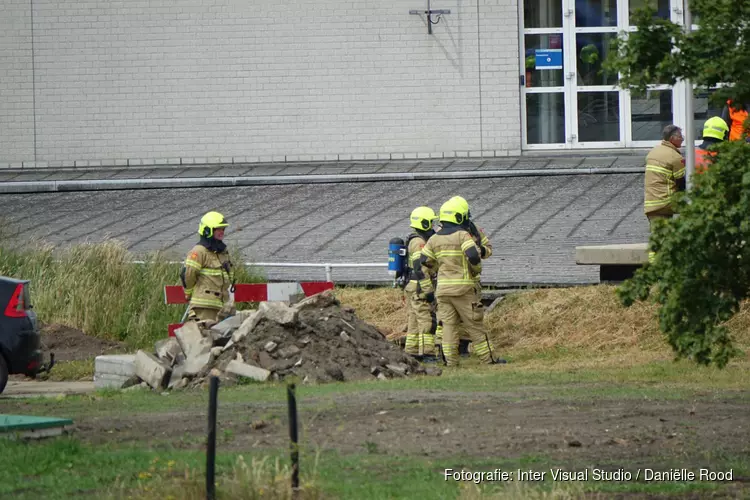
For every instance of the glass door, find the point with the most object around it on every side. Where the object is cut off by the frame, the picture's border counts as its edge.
(646, 116)
(596, 104)
(544, 94)
(569, 100)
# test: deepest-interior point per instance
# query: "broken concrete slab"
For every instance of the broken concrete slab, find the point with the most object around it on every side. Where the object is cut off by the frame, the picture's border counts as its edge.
(249, 371)
(319, 301)
(232, 322)
(247, 326)
(193, 366)
(168, 349)
(191, 340)
(279, 312)
(109, 381)
(398, 368)
(151, 370)
(288, 351)
(177, 374)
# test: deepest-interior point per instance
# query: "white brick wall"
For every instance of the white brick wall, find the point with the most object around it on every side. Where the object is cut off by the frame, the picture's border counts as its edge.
(16, 96)
(148, 80)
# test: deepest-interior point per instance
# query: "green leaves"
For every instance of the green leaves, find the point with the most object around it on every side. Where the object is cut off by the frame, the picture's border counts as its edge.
(702, 267)
(661, 52)
(702, 270)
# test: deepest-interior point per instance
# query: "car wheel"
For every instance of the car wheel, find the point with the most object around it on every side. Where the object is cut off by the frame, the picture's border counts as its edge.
(3, 373)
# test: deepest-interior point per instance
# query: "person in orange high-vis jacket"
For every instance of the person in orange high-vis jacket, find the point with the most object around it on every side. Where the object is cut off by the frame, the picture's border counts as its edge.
(735, 118)
(715, 130)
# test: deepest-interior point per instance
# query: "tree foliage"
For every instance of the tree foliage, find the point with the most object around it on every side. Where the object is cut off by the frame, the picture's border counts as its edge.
(702, 269)
(662, 52)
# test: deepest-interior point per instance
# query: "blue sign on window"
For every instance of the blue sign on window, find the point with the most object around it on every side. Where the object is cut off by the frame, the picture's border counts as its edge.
(548, 59)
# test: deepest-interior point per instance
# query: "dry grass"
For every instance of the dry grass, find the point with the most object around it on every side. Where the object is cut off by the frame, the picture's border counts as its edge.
(524, 491)
(95, 288)
(262, 478)
(586, 322)
(382, 307)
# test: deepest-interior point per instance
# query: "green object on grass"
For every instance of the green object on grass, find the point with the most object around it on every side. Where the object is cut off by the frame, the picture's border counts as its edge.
(15, 423)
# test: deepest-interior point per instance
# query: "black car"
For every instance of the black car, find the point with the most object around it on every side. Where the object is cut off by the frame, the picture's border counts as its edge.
(20, 342)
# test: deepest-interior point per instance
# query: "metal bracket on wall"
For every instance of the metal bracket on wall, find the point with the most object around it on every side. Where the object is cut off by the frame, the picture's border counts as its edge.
(430, 13)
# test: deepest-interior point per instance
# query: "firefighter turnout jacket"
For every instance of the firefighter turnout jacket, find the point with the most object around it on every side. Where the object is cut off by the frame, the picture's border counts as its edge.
(208, 275)
(665, 174)
(455, 255)
(419, 283)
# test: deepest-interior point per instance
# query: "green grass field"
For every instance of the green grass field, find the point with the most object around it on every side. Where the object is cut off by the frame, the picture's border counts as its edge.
(590, 385)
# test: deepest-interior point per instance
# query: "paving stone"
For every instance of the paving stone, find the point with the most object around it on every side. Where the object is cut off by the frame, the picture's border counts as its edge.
(249, 371)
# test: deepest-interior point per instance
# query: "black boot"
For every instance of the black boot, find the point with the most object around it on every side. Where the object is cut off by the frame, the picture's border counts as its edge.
(463, 348)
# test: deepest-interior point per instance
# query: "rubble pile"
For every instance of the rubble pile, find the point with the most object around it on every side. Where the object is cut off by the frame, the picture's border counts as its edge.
(316, 340)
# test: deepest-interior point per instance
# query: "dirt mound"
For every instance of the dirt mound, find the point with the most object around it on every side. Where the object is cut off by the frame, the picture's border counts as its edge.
(315, 340)
(71, 344)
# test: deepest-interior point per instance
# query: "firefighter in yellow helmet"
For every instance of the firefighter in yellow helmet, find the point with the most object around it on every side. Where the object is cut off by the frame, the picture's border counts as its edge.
(485, 250)
(419, 291)
(207, 274)
(458, 260)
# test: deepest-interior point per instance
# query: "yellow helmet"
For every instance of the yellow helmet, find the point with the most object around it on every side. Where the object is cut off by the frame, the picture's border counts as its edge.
(460, 201)
(422, 218)
(454, 211)
(715, 127)
(211, 221)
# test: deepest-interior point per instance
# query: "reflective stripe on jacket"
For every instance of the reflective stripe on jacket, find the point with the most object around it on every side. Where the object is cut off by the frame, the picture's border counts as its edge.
(664, 165)
(455, 274)
(207, 281)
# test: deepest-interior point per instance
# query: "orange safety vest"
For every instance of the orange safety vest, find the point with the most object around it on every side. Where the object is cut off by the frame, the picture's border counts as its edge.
(701, 160)
(737, 119)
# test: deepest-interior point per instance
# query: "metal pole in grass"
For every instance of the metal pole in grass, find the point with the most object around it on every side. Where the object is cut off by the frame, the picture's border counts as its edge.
(211, 445)
(292, 403)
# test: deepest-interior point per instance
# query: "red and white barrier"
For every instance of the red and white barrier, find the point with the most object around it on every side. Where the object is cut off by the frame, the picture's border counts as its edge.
(256, 292)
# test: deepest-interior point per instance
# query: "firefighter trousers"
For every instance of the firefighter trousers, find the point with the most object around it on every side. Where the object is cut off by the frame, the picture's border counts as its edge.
(468, 310)
(202, 314)
(661, 214)
(420, 337)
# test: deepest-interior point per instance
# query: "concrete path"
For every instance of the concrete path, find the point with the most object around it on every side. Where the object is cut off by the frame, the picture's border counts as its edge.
(33, 388)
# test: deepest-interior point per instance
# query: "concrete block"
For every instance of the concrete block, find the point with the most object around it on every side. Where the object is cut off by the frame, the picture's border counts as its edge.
(279, 312)
(119, 364)
(152, 371)
(191, 340)
(194, 365)
(247, 326)
(168, 349)
(317, 301)
(620, 254)
(232, 322)
(249, 371)
(177, 374)
(288, 352)
(399, 368)
(109, 381)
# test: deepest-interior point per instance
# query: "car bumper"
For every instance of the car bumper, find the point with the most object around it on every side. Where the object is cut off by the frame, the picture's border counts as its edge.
(35, 364)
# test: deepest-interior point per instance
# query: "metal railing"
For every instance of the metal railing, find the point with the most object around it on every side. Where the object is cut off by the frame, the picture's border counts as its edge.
(328, 266)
